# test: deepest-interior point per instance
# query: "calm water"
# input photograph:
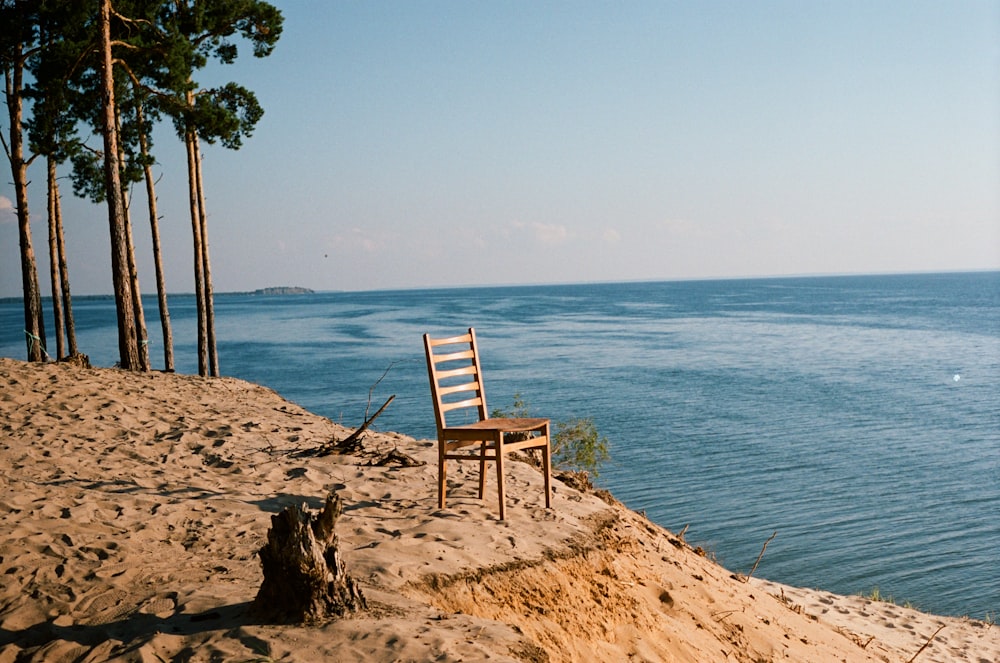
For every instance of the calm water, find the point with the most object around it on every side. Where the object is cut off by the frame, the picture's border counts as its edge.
(858, 417)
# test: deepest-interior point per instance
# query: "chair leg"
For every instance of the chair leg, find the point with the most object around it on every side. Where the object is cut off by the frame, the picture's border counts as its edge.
(482, 470)
(500, 491)
(547, 468)
(442, 479)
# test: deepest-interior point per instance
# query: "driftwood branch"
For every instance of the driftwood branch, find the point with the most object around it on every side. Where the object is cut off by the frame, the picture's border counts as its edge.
(926, 644)
(371, 389)
(397, 457)
(769, 539)
(368, 422)
(352, 442)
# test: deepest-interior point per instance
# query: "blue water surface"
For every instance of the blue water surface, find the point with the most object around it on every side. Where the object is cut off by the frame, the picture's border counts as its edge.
(858, 417)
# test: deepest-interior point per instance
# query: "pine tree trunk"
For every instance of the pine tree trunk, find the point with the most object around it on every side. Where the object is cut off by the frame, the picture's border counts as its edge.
(128, 346)
(154, 226)
(54, 260)
(133, 269)
(34, 324)
(64, 277)
(213, 353)
(133, 277)
(199, 281)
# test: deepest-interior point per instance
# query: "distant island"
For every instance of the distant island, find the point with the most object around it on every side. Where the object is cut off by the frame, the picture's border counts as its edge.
(283, 290)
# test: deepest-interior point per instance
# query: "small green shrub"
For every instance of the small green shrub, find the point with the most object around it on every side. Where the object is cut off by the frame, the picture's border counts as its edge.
(876, 595)
(577, 446)
(519, 410)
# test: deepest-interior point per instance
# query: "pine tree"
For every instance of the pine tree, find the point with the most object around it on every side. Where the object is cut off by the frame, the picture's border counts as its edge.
(52, 133)
(190, 33)
(18, 41)
(128, 341)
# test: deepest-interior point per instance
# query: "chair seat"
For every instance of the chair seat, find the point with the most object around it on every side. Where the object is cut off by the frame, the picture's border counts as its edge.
(507, 425)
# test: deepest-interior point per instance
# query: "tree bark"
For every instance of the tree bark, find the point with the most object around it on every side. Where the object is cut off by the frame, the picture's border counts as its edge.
(206, 266)
(199, 280)
(54, 260)
(154, 226)
(305, 579)
(133, 268)
(128, 346)
(64, 277)
(34, 323)
(133, 276)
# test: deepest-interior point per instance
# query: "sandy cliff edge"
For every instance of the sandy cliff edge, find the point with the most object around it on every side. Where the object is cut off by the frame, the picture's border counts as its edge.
(133, 506)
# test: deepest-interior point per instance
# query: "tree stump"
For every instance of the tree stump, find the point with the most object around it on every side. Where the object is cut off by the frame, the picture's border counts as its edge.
(305, 579)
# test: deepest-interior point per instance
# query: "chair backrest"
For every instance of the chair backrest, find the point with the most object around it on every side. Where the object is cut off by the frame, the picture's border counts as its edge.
(456, 378)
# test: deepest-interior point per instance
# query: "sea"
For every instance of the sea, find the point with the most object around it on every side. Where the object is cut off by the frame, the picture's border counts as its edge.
(854, 418)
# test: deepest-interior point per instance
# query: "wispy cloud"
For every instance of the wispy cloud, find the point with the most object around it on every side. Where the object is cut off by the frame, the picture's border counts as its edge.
(546, 233)
(686, 228)
(611, 236)
(7, 213)
(359, 239)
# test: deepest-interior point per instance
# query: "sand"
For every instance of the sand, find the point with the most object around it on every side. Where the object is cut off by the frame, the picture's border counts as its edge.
(132, 507)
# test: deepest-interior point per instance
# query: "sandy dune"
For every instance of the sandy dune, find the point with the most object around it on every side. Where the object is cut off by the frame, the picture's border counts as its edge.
(132, 508)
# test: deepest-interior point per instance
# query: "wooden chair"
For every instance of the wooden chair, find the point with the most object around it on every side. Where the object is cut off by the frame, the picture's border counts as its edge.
(457, 388)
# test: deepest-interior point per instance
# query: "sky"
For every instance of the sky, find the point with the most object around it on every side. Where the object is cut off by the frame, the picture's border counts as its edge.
(439, 143)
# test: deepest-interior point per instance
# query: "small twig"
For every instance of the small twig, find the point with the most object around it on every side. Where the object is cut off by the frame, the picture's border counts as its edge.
(926, 644)
(771, 538)
(381, 377)
(722, 614)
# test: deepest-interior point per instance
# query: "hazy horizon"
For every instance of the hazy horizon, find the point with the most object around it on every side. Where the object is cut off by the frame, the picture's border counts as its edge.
(460, 286)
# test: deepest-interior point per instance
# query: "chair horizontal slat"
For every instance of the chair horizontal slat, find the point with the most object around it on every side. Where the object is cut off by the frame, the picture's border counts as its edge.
(457, 388)
(470, 402)
(450, 340)
(530, 443)
(453, 356)
(452, 372)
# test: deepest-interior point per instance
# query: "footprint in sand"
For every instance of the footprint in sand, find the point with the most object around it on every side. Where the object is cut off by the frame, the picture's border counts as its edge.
(104, 608)
(107, 571)
(161, 607)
